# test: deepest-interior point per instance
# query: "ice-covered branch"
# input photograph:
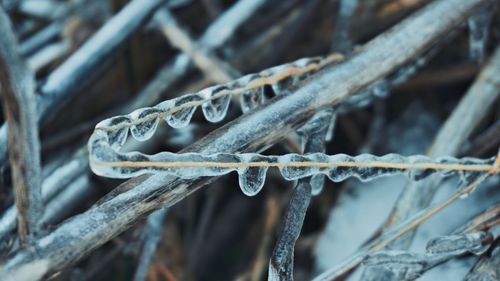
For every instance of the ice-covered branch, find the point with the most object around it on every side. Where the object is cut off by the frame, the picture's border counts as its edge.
(17, 86)
(394, 232)
(473, 107)
(83, 65)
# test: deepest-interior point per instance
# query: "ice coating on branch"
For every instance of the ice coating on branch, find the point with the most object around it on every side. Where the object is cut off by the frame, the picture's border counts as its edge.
(458, 244)
(409, 266)
(252, 167)
(215, 100)
(479, 25)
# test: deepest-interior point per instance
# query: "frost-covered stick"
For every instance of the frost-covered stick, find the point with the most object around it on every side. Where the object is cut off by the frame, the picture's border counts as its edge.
(151, 237)
(410, 266)
(393, 233)
(488, 266)
(341, 40)
(52, 184)
(473, 107)
(281, 262)
(77, 237)
(17, 86)
(83, 66)
(217, 70)
(472, 238)
(167, 76)
(476, 104)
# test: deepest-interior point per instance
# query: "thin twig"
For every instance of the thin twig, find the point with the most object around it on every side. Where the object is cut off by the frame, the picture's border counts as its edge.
(471, 110)
(17, 87)
(394, 233)
(453, 134)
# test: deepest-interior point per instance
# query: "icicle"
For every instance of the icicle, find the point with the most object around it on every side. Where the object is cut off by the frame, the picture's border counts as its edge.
(331, 128)
(251, 99)
(118, 138)
(251, 179)
(145, 129)
(215, 110)
(479, 25)
(180, 118)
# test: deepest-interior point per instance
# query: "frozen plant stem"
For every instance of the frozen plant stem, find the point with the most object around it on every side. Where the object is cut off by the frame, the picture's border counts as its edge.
(84, 65)
(281, 263)
(17, 89)
(393, 233)
(473, 107)
(252, 132)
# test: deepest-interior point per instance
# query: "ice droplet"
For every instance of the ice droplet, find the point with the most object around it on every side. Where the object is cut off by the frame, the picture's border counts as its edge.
(317, 184)
(252, 179)
(118, 138)
(252, 99)
(180, 118)
(147, 127)
(215, 110)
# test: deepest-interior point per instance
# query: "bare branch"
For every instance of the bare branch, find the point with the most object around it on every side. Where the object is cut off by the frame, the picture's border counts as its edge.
(17, 88)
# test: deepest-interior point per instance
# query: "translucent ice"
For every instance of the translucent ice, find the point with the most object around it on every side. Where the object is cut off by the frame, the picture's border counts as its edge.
(147, 123)
(215, 110)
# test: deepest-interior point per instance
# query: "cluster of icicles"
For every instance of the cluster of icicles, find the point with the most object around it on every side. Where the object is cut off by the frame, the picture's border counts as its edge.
(111, 134)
